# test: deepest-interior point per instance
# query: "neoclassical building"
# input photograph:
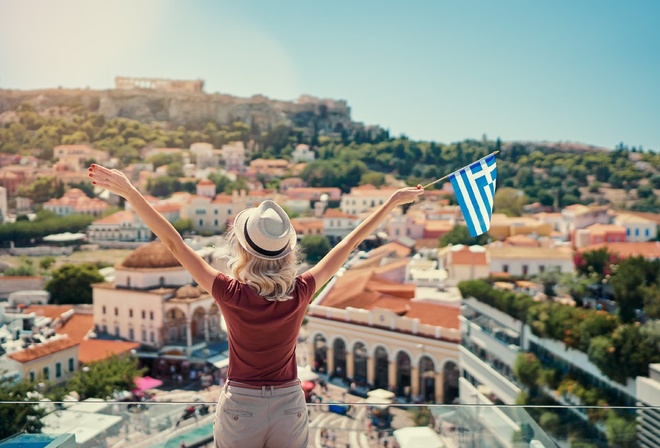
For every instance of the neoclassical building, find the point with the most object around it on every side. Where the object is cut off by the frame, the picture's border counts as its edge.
(153, 301)
(372, 325)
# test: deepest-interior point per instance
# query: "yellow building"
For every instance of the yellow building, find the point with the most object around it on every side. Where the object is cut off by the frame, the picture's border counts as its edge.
(502, 226)
(380, 333)
(51, 361)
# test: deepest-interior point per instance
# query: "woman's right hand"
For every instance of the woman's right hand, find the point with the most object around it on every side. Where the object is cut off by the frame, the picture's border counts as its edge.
(405, 195)
(112, 180)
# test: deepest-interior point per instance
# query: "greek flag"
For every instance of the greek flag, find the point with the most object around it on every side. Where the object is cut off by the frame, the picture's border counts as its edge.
(474, 187)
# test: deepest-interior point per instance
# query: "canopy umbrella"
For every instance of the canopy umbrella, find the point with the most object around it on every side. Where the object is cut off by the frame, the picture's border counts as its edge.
(146, 383)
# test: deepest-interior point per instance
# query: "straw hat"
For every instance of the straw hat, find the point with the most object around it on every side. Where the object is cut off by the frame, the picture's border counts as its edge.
(265, 231)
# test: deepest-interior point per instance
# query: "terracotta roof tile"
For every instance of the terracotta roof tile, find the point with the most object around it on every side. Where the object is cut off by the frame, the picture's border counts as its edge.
(51, 311)
(93, 350)
(42, 350)
(437, 314)
(77, 327)
(649, 249)
(394, 246)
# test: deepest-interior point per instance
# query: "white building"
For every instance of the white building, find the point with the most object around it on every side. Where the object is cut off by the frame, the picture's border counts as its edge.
(638, 229)
(364, 198)
(337, 224)
(648, 419)
(234, 156)
(302, 153)
(529, 261)
(579, 216)
(3, 204)
(213, 214)
(153, 302)
(122, 226)
(204, 155)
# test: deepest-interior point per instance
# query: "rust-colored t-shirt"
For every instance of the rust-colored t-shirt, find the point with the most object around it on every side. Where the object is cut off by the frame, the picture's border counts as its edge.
(262, 333)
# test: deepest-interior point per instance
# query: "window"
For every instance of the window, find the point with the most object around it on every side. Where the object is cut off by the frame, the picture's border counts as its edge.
(541, 269)
(215, 222)
(131, 334)
(215, 212)
(31, 376)
(505, 268)
(46, 373)
(144, 335)
(647, 232)
(71, 364)
(152, 337)
(105, 328)
(161, 281)
(58, 370)
(229, 211)
(628, 232)
(128, 281)
(201, 222)
(144, 314)
(525, 269)
(103, 309)
(637, 232)
(151, 315)
(117, 331)
(130, 312)
(116, 311)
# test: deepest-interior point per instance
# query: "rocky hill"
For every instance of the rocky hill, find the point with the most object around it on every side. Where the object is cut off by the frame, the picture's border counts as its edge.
(323, 115)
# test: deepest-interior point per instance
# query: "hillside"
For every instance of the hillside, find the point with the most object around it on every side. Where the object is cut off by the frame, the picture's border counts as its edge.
(123, 122)
(176, 108)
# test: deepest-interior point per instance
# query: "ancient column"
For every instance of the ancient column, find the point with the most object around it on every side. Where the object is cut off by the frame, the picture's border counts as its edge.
(371, 369)
(439, 387)
(330, 359)
(414, 381)
(350, 365)
(391, 373)
(188, 333)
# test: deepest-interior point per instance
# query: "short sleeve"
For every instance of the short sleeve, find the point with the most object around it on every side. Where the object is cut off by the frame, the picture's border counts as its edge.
(220, 287)
(306, 286)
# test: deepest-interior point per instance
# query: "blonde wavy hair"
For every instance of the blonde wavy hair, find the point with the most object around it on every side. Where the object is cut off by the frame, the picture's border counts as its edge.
(274, 280)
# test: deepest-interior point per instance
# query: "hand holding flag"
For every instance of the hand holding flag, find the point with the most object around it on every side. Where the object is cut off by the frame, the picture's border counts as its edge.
(474, 186)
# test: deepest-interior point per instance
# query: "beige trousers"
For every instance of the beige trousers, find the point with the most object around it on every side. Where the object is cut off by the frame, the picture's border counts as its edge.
(261, 418)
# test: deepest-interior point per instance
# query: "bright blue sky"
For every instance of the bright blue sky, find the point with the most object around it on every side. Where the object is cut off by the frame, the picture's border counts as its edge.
(586, 71)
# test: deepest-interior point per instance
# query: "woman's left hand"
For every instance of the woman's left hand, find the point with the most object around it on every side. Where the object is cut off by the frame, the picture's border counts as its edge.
(113, 180)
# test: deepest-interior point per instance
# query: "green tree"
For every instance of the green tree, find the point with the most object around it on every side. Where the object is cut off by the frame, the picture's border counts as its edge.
(46, 262)
(315, 247)
(628, 286)
(183, 225)
(41, 190)
(509, 201)
(621, 432)
(16, 416)
(105, 377)
(373, 178)
(461, 235)
(71, 283)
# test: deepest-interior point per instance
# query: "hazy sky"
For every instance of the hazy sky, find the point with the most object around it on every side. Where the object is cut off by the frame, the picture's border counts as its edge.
(586, 71)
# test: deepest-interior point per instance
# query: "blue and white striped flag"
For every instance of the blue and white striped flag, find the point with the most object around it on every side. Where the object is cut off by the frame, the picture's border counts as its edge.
(474, 187)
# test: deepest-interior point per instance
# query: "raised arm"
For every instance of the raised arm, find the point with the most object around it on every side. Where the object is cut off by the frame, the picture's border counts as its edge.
(331, 263)
(116, 182)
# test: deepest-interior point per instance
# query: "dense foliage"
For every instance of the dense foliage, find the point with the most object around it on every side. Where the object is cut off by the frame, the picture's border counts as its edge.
(543, 173)
(620, 351)
(46, 223)
(70, 284)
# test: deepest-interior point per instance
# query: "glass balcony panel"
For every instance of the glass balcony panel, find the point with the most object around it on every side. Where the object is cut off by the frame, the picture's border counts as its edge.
(350, 422)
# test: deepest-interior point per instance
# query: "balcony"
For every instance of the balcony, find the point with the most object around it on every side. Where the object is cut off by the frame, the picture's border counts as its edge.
(348, 420)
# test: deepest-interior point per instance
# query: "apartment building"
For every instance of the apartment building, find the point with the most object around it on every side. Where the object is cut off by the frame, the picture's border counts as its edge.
(369, 326)
(364, 198)
(637, 228)
(529, 261)
(75, 200)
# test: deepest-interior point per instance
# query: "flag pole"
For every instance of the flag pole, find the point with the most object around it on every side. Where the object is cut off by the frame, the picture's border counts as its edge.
(445, 177)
